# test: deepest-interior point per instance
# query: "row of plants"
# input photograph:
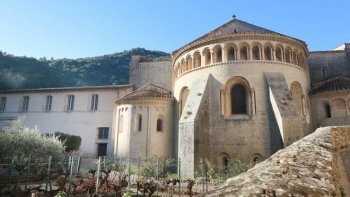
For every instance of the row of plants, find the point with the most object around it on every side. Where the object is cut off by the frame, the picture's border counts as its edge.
(28, 150)
(146, 178)
(152, 176)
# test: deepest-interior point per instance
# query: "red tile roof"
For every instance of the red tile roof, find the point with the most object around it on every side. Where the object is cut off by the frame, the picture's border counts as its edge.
(149, 91)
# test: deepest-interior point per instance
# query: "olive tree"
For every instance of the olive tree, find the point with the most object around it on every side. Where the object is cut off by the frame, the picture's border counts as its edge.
(17, 143)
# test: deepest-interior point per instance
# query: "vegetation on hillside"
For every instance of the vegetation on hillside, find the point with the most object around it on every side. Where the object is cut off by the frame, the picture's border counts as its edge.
(26, 72)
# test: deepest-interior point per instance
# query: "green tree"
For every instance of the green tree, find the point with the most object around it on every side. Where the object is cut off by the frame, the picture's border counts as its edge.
(71, 142)
(17, 143)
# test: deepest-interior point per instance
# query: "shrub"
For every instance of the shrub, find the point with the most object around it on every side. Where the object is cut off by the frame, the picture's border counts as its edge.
(236, 167)
(17, 143)
(149, 167)
(72, 142)
(117, 165)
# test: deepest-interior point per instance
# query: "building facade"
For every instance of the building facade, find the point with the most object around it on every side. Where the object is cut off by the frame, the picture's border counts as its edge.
(86, 112)
(239, 91)
(242, 93)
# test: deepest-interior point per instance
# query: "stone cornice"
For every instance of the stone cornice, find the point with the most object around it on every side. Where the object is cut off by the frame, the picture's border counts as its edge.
(65, 89)
(331, 94)
(333, 51)
(146, 100)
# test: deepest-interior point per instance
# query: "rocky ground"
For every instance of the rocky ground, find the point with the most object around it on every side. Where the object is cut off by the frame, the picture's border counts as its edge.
(312, 166)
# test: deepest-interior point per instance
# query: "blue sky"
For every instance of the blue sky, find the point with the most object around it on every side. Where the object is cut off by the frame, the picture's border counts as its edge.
(85, 28)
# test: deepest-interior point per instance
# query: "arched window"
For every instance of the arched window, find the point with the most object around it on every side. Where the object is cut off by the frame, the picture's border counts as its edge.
(207, 56)
(256, 53)
(300, 60)
(338, 108)
(218, 54)
(256, 158)
(295, 58)
(297, 95)
(183, 97)
(327, 108)
(197, 59)
(189, 62)
(183, 65)
(238, 99)
(224, 162)
(279, 54)
(267, 52)
(243, 53)
(231, 53)
(159, 125)
(288, 56)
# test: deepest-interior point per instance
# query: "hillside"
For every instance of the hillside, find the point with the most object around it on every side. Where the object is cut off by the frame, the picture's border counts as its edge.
(25, 72)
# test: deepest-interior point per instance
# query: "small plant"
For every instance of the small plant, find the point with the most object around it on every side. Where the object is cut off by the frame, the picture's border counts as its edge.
(342, 192)
(214, 176)
(61, 194)
(209, 173)
(237, 167)
(190, 184)
(150, 167)
(117, 166)
(147, 186)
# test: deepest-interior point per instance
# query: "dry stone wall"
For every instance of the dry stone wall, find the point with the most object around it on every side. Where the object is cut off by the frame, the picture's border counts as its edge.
(308, 167)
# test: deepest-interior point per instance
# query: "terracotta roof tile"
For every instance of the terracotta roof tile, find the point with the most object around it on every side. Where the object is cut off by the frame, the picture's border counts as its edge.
(149, 91)
(236, 26)
(333, 84)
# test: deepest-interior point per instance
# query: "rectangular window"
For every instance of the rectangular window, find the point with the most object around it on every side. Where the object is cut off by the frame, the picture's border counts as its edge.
(48, 103)
(25, 103)
(70, 103)
(2, 104)
(103, 132)
(94, 102)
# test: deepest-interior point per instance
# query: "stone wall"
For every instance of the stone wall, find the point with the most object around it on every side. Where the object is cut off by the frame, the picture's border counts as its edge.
(326, 64)
(339, 108)
(147, 72)
(312, 166)
(289, 119)
(141, 138)
(193, 128)
(239, 136)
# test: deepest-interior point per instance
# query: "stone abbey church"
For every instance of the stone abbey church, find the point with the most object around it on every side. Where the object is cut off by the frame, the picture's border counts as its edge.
(239, 91)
